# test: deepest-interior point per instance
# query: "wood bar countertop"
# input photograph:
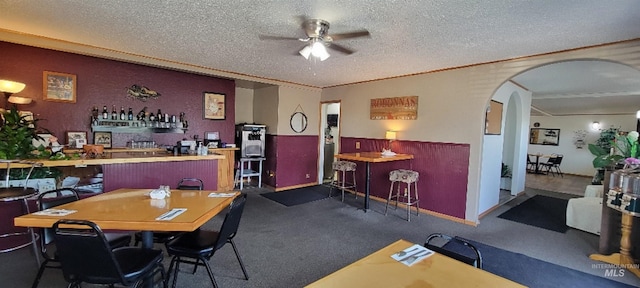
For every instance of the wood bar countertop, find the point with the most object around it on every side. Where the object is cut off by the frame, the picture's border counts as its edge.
(154, 155)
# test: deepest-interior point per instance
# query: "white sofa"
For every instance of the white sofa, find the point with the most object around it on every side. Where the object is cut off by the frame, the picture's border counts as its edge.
(586, 213)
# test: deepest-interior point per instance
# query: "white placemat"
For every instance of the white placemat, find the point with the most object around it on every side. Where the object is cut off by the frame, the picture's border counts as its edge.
(55, 212)
(412, 255)
(173, 213)
(222, 195)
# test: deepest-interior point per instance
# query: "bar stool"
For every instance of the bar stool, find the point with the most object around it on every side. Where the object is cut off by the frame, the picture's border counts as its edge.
(12, 194)
(341, 182)
(404, 176)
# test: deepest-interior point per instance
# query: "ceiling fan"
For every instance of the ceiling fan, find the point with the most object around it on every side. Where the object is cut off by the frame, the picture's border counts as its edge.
(319, 39)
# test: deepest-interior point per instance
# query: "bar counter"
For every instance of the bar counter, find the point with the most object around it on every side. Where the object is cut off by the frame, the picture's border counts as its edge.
(122, 159)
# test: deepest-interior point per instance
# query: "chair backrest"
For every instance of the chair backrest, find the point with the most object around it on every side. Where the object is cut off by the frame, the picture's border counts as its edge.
(188, 184)
(529, 161)
(558, 159)
(52, 199)
(231, 221)
(85, 254)
(552, 159)
(456, 248)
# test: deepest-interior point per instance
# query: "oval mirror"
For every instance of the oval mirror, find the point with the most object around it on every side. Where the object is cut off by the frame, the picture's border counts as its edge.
(298, 122)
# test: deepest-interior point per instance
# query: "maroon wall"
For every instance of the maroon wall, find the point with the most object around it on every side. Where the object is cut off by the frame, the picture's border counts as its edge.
(104, 82)
(152, 175)
(270, 164)
(291, 158)
(443, 169)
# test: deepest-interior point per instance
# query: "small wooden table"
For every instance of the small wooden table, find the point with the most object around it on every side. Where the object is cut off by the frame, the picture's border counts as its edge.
(368, 158)
(133, 209)
(380, 270)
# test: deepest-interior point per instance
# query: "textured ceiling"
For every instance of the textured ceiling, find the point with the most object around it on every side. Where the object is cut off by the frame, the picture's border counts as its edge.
(407, 37)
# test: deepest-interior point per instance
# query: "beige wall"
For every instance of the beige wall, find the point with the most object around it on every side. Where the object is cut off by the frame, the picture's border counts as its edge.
(244, 105)
(265, 108)
(293, 99)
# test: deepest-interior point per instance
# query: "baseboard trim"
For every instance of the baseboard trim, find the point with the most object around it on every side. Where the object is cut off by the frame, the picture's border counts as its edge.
(295, 187)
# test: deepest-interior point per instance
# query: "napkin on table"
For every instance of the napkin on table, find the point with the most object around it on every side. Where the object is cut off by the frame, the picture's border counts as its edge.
(55, 212)
(412, 255)
(173, 213)
(222, 195)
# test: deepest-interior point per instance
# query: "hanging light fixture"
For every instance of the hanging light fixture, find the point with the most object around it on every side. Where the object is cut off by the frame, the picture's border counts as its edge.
(11, 87)
(316, 49)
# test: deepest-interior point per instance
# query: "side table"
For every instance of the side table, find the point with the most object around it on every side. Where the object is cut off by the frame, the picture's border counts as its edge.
(629, 205)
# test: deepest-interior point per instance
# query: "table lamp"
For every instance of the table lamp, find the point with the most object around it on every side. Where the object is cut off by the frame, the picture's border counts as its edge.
(9, 88)
(390, 135)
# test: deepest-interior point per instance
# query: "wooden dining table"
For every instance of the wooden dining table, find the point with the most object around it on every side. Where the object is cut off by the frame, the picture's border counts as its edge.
(379, 269)
(368, 158)
(133, 209)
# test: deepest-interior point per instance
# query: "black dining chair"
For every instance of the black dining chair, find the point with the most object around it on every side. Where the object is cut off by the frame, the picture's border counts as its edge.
(86, 257)
(190, 184)
(55, 198)
(554, 164)
(456, 248)
(531, 165)
(164, 236)
(199, 246)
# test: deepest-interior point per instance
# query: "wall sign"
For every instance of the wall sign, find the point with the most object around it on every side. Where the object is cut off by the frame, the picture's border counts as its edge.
(396, 108)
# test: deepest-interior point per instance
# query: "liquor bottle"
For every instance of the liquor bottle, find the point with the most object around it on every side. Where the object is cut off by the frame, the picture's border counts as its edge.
(151, 117)
(159, 115)
(105, 114)
(94, 113)
(142, 114)
(114, 114)
(122, 115)
(130, 114)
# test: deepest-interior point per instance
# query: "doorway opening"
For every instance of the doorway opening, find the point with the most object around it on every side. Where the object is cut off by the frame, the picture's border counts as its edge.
(329, 143)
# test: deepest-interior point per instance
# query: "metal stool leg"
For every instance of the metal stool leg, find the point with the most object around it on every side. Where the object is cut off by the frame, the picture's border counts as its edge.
(343, 183)
(389, 198)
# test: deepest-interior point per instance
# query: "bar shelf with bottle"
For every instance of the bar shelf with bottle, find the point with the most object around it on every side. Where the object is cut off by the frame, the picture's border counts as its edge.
(136, 126)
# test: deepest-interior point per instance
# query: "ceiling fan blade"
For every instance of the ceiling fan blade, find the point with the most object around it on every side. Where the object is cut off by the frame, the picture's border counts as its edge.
(301, 19)
(340, 48)
(354, 34)
(270, 37)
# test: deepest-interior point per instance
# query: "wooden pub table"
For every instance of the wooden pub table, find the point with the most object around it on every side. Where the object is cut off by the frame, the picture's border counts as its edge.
(380, 270)
(368, 158)
(133, 209)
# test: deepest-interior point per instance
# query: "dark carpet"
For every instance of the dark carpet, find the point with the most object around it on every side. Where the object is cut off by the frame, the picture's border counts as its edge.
(299, 196)
(540, 211)
(532, 272)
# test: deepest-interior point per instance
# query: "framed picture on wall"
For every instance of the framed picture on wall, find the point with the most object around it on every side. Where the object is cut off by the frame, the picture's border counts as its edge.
(544, 136)
(59, 87)
(214, 106)
(76, 139)
(493, 119)
(102, 138)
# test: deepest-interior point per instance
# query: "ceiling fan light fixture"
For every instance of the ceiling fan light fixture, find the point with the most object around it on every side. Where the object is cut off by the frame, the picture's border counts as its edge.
(305, 52)
(319, 50)
(315, 49)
